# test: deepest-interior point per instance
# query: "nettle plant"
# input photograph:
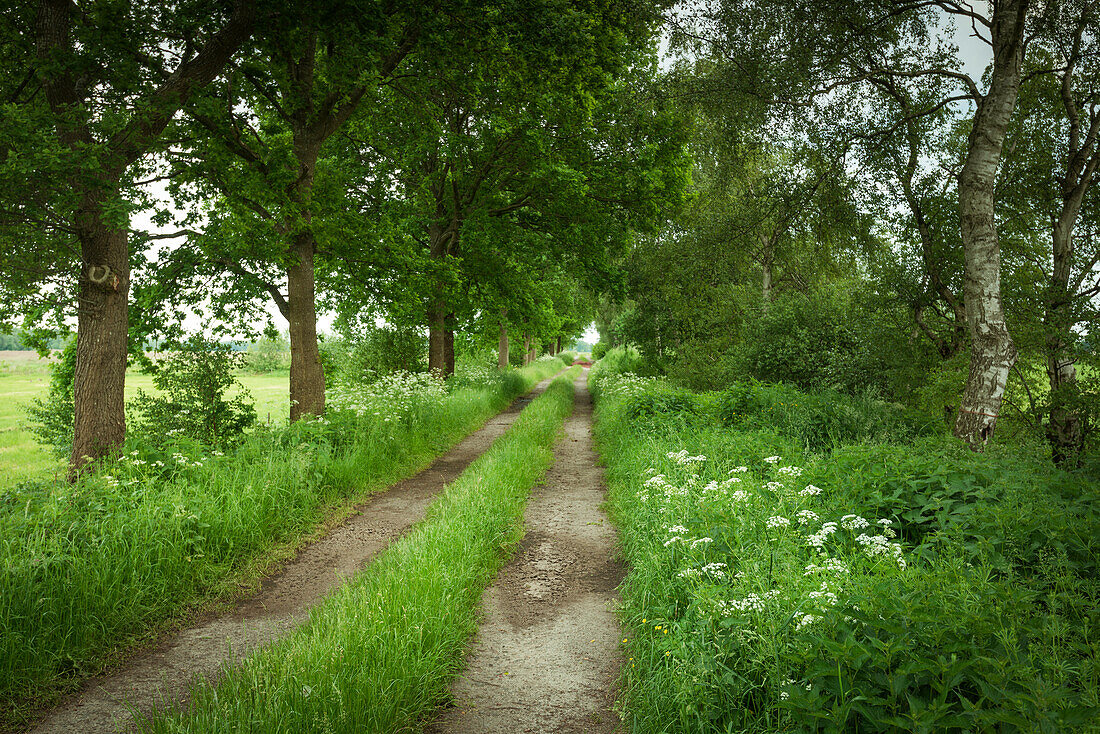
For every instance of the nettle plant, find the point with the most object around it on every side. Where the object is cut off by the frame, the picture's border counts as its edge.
(196, 381)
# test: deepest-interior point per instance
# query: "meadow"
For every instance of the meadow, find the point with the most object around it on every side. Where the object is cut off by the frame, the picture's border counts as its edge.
(24, 377)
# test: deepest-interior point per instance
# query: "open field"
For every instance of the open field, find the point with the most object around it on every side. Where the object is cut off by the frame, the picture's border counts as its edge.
(24, 377)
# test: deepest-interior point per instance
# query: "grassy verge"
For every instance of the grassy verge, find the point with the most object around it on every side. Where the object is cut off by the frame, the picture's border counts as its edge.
(88, 569)
(378, 654)
(882, 586)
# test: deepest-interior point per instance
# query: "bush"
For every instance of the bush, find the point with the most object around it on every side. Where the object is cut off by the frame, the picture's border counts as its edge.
(567, 357)
(599, 350)
(374, 351)
(51, 420)
(196, 379)
(821, 420)
(813, 341)
(268, 355)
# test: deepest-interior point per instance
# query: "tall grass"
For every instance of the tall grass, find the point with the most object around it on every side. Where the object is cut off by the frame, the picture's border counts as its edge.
(378, 654)
(87, 569)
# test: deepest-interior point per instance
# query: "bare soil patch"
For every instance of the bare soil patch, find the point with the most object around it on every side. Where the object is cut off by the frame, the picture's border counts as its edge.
(547, 653)
(162, 674)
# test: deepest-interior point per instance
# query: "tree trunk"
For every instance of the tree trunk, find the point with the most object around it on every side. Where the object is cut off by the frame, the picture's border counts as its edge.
(1064, 429)
(526, 350)
(767, 262)
(449, 346)
(307, 377)
(440, 241)
(992, 351)
(502, 347)
(437, 350)
(559, 346)
(101, 342)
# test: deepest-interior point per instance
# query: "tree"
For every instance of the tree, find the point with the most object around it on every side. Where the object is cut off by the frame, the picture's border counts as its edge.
(256, 146)
(1048, 193)
(97, 87)
(804, 56)
(523, 149)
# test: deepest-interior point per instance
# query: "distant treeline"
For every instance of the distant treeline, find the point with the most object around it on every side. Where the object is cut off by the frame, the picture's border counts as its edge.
(15, 343)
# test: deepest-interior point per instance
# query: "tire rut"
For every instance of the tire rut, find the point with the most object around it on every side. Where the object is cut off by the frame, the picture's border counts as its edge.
(547, 654)
(162, 675)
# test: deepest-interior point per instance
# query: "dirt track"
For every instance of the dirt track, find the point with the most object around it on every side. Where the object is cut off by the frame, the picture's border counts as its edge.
(163, 673)
(547, 653)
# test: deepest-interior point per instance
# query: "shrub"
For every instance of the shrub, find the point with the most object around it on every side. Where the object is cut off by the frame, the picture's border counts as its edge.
(567, 357)
(821, 420)
(599, 350)
(268, 355)
(196, 380)
(51, 420)
(813, 341)
(374, 351)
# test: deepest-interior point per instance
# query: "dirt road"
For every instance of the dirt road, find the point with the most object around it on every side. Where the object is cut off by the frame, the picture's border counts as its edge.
(547, 652)
(164, 673)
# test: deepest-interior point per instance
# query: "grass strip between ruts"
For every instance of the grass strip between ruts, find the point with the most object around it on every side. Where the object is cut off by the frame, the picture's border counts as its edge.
(379, 653)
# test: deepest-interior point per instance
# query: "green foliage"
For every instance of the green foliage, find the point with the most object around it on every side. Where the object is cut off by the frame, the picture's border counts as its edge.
(820, 420)
(375, 351)
(567, 357)
(599, 349)
(51, 419)
(268, 354)
(812, 342)
(196, 379)
(952, 591)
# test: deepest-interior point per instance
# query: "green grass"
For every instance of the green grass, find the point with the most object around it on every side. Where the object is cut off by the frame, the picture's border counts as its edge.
(88, 569)
(22, 458)
(980, 614)
(378, 655)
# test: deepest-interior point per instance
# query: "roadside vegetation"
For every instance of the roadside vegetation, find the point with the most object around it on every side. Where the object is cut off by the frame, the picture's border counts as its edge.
(378, 655)
(179, 516)
(806, 561)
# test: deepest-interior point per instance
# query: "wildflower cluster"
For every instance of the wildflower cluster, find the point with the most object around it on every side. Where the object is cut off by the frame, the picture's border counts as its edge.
(611, 385)
(391, 397)
(807, 580)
